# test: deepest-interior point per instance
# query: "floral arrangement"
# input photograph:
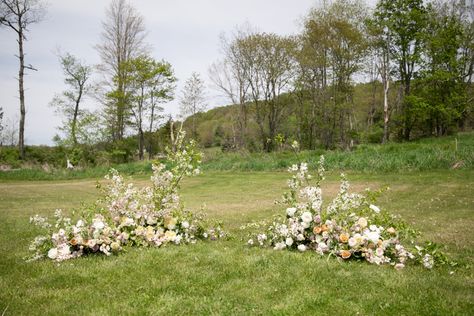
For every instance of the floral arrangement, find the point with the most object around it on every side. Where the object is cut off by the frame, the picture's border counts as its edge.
(151, 216)
(350, 227)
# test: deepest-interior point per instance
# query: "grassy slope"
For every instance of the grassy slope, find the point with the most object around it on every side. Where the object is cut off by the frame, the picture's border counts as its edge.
(226, 277)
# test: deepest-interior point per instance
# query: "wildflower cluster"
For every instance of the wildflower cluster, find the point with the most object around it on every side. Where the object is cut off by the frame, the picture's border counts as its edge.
(349, 227)
(130, 216)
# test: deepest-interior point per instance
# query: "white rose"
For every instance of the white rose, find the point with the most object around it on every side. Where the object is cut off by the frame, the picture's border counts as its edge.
(302, 248)
(98, 224)
(306, 217)
(280, 246)
(185, 224)
(373, 236)
(53, 253)
(291, 211)
(374, 208)
(289, 241)
(64, 250)
(250, 242)
(352, 242)
(300, 237)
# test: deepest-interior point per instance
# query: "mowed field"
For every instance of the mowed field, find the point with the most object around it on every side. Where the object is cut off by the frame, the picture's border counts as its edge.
(227, 277)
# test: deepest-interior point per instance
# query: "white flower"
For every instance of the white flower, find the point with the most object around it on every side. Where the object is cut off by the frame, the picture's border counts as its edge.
(250, 242)
(293, 168)
(306, 217)
(373, 228)
(300, 237)
(289, 241)
(305, 225)
(428, 261)
(280, 246)
(261, 238)
(98, 224)
(185, 224)
(399, 266)
(80, 223)
(373, 236)
(352, 242)
(379, 252)
(302, 248)
(64, 250)
(374, 208)
(53, 253)
(291, 211)
(362, 222)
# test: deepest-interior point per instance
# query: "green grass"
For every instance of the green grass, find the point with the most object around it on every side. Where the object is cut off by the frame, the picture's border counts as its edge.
(227, 277)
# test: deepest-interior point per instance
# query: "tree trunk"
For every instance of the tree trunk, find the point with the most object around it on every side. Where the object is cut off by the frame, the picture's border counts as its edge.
(141, 142)
(385, 111)
(21, 134)
(74, 119)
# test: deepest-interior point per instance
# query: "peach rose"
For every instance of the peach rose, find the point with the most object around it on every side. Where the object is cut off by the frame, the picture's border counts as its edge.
(345, 254)
(344, 237)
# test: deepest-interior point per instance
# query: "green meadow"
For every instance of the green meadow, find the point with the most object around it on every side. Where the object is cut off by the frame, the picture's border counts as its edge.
(227, 277)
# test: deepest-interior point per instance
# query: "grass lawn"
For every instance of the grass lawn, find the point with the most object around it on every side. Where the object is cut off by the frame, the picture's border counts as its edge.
(227, 277)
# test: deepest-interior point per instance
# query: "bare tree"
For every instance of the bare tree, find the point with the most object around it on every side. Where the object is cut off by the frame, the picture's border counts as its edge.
(18, 15)
(68, 103)
(122, 40)
(2, 126)
(193, 99)
(230, 76)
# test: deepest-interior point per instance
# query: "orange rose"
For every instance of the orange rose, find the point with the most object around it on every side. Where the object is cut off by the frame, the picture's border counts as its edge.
(391, 230)
(345, 254)
(344, 237)
(324, 228)
(73, 242)
(317, 230)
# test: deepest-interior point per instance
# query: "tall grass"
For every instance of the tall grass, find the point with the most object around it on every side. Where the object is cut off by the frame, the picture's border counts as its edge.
(134, 168)
(426, 154)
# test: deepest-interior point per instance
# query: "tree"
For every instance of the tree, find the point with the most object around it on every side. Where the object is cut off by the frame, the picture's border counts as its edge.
(230, 76)
(193, 99)
(68, 103)
(18, 15)
(380, 53)
(441, 75)
(2, 126)
(404, 22)
(122, 39)
(330, 52)
(150, 82)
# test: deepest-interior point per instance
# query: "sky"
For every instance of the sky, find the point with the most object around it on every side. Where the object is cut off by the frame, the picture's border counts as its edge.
(183, 32)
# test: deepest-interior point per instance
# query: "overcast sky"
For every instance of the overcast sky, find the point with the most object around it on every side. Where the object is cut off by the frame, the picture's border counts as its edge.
(183, 32)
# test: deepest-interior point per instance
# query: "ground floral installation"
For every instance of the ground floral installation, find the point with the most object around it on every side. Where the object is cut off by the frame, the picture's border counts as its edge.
(129, 216)
(350, 227)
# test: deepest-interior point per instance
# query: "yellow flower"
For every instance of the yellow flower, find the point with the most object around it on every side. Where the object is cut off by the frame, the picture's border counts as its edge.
(170, 222)
(170, 235)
